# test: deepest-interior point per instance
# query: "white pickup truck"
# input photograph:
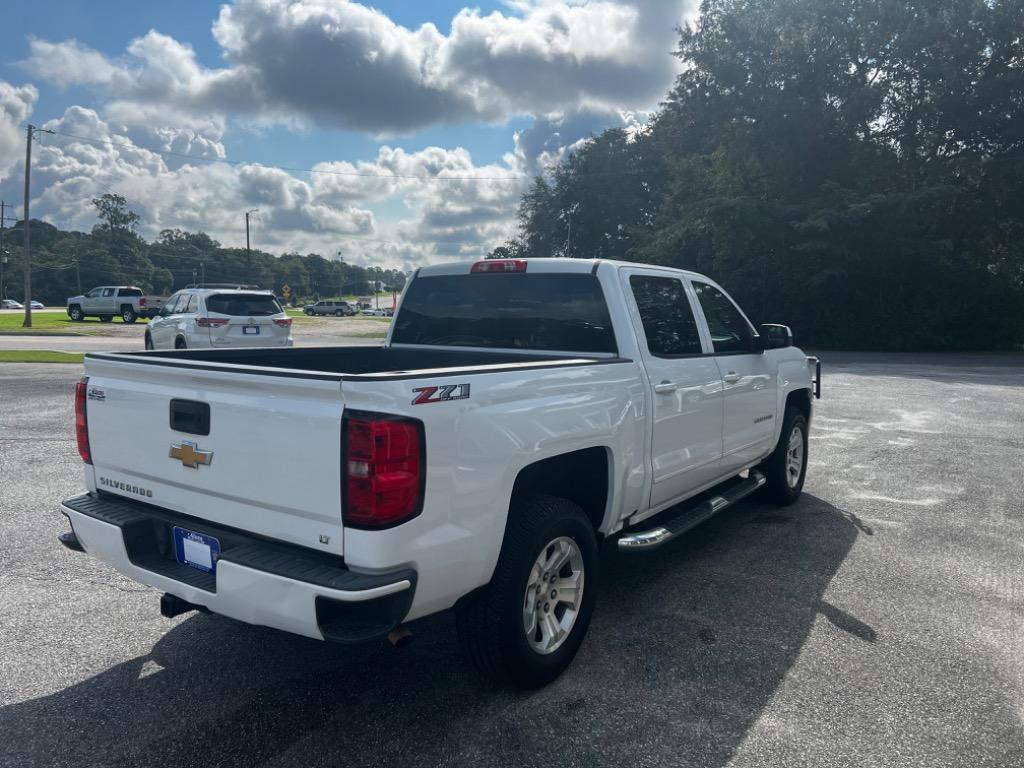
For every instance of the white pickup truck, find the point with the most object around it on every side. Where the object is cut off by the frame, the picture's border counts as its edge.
(519, 414)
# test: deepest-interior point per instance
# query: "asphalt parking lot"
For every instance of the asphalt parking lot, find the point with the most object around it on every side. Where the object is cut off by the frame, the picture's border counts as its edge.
(878, 622)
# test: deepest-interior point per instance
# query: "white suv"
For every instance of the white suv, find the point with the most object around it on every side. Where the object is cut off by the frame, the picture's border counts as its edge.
(204, 318)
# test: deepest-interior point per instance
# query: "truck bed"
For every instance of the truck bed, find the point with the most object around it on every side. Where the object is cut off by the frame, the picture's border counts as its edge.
(348, 362)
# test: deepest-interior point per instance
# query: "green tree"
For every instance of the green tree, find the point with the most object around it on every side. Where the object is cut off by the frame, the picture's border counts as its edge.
(854, 169)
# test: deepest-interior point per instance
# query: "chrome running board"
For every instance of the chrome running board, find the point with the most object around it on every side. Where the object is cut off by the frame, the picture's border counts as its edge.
(691, 516)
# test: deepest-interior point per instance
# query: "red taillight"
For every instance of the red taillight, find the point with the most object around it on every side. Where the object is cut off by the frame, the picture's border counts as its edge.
(82, 421)
(142, 301)
(384, 466)
(284, 322)
(211, 322)
(499, 265)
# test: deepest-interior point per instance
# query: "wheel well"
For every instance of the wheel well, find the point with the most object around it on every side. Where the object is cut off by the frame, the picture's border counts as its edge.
(580, 477)
(801, 400)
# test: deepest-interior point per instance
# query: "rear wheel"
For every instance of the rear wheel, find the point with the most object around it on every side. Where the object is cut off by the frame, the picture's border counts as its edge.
(786, 469)
(179, 343)
(128, 314)
(525, 626)
(75, 313)
(339, 313)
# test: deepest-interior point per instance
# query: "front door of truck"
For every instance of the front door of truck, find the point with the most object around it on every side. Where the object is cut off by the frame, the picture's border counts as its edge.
(750, 386)
(686, 387)
(91, 301)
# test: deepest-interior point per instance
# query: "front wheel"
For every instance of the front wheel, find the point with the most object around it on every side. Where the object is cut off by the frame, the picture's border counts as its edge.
(128, 315)
(786, 468)
(525, 626)
(76, 314)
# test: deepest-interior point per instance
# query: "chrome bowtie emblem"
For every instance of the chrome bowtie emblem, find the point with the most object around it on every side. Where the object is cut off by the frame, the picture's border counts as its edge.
(190, 455)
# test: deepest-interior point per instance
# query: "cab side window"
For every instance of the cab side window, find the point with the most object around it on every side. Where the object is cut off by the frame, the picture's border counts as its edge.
(730, 332)
(108, 292)
(665, 311)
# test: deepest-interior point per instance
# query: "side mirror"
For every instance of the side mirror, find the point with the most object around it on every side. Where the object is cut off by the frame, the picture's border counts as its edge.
(776, 336)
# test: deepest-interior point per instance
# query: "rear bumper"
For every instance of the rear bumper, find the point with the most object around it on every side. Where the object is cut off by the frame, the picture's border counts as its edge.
(257, 581)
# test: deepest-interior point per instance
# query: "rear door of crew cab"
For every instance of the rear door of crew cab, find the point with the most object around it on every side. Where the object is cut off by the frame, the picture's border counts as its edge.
(686, 387)
(749, 383)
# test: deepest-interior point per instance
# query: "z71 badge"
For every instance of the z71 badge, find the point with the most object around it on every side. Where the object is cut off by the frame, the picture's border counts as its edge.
(441, 394)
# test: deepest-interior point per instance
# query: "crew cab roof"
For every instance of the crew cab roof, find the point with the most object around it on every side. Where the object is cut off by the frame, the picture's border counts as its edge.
(555, 265)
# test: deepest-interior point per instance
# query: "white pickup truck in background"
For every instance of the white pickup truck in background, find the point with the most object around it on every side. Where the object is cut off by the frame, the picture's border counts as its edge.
(110, 301)
(519, 413)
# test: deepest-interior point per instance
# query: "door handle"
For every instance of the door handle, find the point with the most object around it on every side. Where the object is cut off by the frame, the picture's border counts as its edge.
(665, 388)
(731, 377)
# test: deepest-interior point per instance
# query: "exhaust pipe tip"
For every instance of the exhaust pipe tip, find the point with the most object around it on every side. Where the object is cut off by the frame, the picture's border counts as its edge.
(172, 605)
(70, 540)
(401, 636)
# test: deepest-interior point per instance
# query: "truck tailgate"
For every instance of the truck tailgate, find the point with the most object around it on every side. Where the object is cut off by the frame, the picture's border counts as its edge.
(270, 463)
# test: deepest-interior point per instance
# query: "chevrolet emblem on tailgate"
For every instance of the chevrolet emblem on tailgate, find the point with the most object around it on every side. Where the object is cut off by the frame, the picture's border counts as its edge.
(190, 455)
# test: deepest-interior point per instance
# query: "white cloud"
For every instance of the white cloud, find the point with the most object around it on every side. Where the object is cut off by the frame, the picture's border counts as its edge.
(576, 67)
(451, 206)
(71, 63)
(335, 63)
(15, 107)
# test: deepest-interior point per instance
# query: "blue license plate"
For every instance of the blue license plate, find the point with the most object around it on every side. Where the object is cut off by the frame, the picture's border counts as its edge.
(251, 329)
(196, 549)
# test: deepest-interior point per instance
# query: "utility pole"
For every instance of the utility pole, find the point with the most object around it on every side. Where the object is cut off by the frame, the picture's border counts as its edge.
(78, 273)
(3, 251)
(29, 133)
(248, 251)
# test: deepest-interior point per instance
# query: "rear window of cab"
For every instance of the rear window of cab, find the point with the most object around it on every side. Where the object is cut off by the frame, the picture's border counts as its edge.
(545, 311)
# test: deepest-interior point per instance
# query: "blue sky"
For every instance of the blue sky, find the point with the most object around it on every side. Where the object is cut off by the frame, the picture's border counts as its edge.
(425, 137)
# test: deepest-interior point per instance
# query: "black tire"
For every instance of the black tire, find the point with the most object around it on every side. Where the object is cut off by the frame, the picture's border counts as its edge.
(128, 314)
(75, 313)
(179, 343)
(490, 621)
(149, 342)
(106, 318)
(782, 486)
(339, 313)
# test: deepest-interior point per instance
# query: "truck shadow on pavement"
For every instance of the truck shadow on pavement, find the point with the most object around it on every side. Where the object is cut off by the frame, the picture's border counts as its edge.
(687, 646)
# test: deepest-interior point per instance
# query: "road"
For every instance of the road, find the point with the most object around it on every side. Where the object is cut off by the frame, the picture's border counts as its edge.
(877, 622)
